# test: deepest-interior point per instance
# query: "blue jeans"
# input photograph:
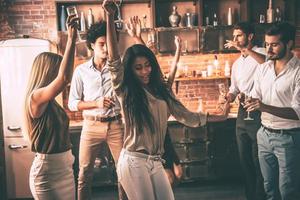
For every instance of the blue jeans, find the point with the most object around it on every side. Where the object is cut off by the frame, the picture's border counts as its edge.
(246, 138)
(279, 157)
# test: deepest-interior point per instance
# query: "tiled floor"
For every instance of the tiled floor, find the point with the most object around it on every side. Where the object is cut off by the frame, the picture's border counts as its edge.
(208, 190)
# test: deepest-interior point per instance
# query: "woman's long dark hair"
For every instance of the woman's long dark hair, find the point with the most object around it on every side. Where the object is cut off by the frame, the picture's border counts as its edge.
(135, 102)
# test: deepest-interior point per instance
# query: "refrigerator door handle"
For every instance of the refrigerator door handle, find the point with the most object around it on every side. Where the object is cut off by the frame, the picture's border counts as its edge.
(16, 146)
(14, 128)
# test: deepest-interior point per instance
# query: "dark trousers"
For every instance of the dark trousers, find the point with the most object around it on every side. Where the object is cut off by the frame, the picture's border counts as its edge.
(246, 132)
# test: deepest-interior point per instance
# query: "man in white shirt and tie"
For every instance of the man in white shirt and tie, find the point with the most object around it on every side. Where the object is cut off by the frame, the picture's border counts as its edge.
(242, 83)
(277, 95)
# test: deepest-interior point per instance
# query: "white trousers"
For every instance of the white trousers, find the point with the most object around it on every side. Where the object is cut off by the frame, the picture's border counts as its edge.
(143, 177)
(51, 176)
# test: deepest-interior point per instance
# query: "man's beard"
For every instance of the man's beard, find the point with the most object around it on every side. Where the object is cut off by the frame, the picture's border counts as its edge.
(246, 44)
(278, 56)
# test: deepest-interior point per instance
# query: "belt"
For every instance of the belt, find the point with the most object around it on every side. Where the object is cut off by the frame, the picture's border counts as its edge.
(280, 130)
(50, 156)
(102, 119)
(143, 151)
(145, 156)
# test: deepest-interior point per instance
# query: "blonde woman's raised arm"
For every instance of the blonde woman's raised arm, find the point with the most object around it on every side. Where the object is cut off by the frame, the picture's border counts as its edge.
(42, 96)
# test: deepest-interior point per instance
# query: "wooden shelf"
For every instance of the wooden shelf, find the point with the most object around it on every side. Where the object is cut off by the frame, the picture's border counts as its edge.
(163, 9)
(177, 28)
(199, 37)
(78, 1)
(201, 78)
(99, 1)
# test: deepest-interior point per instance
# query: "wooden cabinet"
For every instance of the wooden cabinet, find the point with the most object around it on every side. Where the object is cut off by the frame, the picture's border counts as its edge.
(81, 6)
(128, 8)
(190, 37)
(214, 38)
(207, 152)
(220, 8)
(245, 10)
(224, 150)
(183, 134)
(163, 9)
(202, 36)
(258, 7)
(193, 148)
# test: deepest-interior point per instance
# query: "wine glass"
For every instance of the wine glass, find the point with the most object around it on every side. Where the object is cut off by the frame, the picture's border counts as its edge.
(71, 10)
(119, 22)
(248, 118)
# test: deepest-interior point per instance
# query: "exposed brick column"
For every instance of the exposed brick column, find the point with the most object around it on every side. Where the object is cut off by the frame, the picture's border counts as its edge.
(6, 31)
(34, 18)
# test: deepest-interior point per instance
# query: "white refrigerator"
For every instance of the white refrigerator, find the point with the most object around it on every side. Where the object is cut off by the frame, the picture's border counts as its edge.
(16, 58)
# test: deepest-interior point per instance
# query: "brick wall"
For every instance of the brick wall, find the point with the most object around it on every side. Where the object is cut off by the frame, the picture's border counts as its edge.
(35, 18)
(189, 91)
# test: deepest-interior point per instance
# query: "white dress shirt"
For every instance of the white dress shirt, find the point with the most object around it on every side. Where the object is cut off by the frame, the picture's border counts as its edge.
(282, 90)
(90, 84)
(242, 73)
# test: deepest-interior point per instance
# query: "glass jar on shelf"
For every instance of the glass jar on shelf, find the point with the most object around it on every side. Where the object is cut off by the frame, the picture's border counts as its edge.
(215, 20)
(210, 70)
(227, 69)
(90, 18)
(200, 105)
(217, 66)
(63, 18)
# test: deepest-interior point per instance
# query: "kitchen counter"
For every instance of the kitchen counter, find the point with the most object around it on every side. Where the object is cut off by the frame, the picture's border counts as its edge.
(77, 124)
(232, 115)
